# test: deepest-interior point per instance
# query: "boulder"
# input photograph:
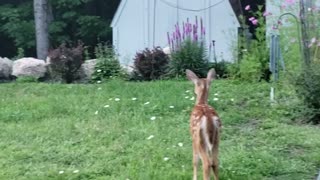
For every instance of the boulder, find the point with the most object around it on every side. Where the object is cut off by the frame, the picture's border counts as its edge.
(30, 67)
(167, 50)
(86, 70)
(5, 68)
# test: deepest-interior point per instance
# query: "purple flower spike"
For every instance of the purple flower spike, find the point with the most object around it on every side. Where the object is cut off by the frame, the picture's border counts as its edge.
(195, 37)
(197, 21)
(172, 44)
(188, 29)
(201, 24)
(194, 29)
(178, 32)
(203, 32)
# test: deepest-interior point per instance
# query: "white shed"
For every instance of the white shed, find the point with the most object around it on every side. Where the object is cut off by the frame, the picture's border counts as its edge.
(138, 24)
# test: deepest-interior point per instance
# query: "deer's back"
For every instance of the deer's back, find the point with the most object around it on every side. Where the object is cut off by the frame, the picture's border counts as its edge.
(204, 118)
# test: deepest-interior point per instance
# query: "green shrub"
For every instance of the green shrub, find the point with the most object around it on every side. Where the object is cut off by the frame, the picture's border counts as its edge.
(65, 62)
(150, 64)
(254, 56)
(26, 79)
(188, 49)
(108, 65)
(233, 70)
(308, 89)
(190, 55)
(250, 68)
(221, 68)
(20, 54)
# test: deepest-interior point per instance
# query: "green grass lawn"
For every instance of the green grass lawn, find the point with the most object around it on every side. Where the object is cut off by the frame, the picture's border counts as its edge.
(127, 130)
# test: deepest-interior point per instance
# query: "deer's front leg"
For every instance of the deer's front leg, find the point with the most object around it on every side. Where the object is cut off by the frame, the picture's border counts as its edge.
(195, 164)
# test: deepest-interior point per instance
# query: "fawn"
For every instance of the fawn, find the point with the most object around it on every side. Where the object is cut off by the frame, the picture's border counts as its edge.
(204, 127)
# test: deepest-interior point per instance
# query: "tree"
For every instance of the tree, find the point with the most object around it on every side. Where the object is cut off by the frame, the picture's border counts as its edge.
(85, 20)
(42, 16)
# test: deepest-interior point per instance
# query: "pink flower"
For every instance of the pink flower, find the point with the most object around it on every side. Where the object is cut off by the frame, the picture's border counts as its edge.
(247, 7)
(252, 18)
(265, 13)
(289, 2)
(255, 21)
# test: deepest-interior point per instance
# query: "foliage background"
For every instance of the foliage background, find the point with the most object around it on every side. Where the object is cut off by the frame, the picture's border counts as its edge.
(73, 20)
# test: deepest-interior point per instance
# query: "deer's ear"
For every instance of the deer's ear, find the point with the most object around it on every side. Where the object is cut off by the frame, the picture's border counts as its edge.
(192, 76)
(211, 75)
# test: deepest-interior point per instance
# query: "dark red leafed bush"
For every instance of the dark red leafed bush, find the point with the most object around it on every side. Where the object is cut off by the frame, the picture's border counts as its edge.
(150, 64)
(65, 62)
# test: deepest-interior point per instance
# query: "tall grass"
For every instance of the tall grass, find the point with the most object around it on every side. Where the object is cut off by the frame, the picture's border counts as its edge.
(126, 130)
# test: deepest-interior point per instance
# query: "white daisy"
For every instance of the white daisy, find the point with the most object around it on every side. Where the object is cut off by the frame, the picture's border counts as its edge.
(117, 99)
(150, 137)
(171, 107)
(180, 144)
(96, 112)
(133, 99)
(153, 118)
(166, 159)
(106, 106)
(61, 172)
(76, 171)
(146, 103)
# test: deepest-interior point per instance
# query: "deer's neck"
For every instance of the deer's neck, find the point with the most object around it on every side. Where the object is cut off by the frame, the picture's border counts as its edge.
(202, 98)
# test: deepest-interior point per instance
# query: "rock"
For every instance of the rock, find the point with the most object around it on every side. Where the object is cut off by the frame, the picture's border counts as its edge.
(30, 67)
(86, 70)
(5, 68)
(167, 50)
(127, 67)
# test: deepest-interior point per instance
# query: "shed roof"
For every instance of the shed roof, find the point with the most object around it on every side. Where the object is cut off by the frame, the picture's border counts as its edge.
(237, 8)
(118, 13)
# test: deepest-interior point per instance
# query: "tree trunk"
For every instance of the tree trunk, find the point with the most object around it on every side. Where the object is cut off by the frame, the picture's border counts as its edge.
(305, 32)
(42, 16)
